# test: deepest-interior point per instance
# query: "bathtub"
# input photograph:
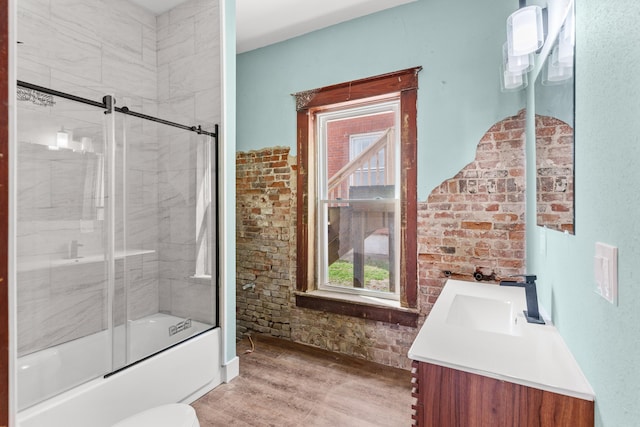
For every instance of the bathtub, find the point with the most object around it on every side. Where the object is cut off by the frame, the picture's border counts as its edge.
(180, 374)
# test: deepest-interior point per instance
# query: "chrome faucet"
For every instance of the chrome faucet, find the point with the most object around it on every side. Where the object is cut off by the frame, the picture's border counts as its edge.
(532, 314)
(73, 249)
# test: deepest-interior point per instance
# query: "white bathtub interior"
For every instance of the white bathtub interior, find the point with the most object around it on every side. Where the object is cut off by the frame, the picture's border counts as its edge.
(180, 374)
(45, 373)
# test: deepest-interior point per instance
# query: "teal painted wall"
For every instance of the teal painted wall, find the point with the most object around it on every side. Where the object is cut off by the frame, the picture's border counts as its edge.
(458, 44)
(228, 165)
(605, 339)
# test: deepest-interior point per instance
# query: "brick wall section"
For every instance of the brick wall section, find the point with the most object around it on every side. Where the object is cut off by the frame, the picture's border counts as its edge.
(265, 216)
(471, 222)
(474, 222)
(554, 152)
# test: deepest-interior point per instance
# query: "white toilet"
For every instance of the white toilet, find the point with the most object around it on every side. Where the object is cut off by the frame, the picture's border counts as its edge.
(172, 415)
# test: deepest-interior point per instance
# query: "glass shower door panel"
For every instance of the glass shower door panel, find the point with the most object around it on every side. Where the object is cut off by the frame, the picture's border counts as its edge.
(164, 291)
(62, 289)
(168, 228)
(187, 249)
(136, 300)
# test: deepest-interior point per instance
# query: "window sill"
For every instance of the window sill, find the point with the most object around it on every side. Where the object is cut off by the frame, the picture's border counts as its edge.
(358, 306)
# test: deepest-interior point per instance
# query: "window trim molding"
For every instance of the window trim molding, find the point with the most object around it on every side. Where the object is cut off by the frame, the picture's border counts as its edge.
(404, 83)
(339, 305)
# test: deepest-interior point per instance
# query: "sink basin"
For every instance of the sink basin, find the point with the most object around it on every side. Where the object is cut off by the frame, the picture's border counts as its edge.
(480, 328)
(483, 314)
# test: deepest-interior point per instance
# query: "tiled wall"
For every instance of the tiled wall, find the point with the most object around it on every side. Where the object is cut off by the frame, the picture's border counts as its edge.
(189, 63)
(91, 48)
(188, 92)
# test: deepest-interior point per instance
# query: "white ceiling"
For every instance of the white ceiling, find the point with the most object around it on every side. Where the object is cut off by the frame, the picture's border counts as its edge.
(263, 22)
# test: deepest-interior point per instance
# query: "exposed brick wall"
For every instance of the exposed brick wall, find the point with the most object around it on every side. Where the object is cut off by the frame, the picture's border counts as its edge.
(265, 235)
(474, 222)
(554, 163)
(471, 222)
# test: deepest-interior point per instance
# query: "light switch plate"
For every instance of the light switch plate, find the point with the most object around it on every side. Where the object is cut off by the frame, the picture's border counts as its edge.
(605, 264)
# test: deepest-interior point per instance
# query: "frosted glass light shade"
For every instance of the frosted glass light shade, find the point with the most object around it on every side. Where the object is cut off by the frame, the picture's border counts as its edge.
(565, 53)
(516, 64)
(62, 139)
(568, 32)
(510, 81)
(555, 73)
(525, 31)
(567, 39)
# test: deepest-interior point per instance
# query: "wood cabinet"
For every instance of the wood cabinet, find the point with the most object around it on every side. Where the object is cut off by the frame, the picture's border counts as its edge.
(446, 397)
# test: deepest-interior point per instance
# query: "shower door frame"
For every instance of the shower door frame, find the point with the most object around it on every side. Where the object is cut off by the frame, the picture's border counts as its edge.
(4, 212)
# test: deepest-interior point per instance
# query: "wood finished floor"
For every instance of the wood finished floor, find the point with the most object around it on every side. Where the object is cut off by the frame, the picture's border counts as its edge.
(286, 384)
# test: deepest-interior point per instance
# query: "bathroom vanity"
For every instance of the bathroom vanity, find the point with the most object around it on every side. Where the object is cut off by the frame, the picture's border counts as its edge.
(477, 362)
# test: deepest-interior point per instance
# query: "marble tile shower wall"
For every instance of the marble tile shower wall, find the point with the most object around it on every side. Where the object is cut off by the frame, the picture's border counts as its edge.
(189, 63)
(89, 48)
(188, 91)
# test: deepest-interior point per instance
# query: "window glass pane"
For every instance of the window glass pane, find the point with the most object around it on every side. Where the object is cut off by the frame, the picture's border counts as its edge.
(361, 246)
(371, 170)
(357, 185)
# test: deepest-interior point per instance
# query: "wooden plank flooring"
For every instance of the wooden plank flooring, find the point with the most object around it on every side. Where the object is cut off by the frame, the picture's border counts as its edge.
(286, 384)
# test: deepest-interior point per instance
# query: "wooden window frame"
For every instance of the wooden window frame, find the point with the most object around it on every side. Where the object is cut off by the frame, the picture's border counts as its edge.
(404, 83)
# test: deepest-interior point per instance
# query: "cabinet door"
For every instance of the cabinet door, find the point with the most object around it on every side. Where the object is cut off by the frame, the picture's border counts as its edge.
(452, 398)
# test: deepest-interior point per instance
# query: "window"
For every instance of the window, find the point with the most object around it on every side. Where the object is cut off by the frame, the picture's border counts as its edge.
(357, 215)
(358, 199)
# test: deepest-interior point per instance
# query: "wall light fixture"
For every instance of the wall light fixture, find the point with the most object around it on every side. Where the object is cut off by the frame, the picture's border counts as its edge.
(525, 31)
(526, 34)
(62, 139)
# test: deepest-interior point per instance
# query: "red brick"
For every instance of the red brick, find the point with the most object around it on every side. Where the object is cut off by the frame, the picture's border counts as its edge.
(477, 225)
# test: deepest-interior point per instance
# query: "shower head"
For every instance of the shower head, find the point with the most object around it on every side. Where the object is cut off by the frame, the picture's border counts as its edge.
(36, 97)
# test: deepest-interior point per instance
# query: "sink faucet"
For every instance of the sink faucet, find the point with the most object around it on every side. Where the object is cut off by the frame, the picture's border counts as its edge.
(531, 313)
(73, 249)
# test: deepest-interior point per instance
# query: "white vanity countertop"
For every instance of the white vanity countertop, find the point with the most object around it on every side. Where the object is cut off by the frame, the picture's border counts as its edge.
(524, 353)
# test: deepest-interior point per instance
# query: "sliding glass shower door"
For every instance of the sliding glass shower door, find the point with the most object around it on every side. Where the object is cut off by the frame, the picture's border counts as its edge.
(63, 286)
(116, 237)
(164, 237)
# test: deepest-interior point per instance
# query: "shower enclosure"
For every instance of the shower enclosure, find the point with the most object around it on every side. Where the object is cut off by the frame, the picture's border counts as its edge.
(116, 238)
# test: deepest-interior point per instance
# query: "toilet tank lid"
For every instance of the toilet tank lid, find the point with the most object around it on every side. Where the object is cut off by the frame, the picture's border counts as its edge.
(171, 415)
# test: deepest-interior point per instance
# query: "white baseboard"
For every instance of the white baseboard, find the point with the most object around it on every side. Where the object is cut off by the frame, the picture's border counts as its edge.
(231, 369)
